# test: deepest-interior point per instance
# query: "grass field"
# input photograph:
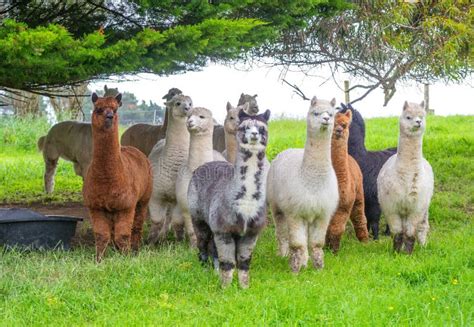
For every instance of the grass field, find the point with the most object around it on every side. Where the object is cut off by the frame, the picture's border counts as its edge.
(365, 284)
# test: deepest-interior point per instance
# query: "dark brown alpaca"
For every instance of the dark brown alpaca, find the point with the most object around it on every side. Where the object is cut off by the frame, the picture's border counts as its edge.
(351, 190)
(118, 183)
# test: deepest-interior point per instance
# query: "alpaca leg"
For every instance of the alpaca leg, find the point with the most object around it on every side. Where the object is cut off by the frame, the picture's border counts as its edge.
(298, 236)
(137, 227)
(245, 246)
(317, 234)
(188, 225)
(102, 227)
(409, 233)
(50, 170)
(281, 229)
(358, 219)
(336, 228)
(225, 245)
(395, 223)
(204, 237)
(77, 169)
(158, 216)
(422, 229)
(177, 223)
(372, 213)
(123, 230)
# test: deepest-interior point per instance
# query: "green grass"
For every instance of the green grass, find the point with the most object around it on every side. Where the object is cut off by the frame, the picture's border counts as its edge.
(366, 284)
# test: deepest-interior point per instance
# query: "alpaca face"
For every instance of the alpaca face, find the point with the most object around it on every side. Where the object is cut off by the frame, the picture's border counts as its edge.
(200, 121)
(342, 121)
(252, 109)
(413, 119)
(232, 121)
(105, 110)
(320, 117)
(252, 132)
(180, 105)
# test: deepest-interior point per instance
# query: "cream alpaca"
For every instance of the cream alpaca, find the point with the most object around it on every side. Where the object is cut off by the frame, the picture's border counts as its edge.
(200, 126)
(302, 190)
(231, 124)
(405, 182)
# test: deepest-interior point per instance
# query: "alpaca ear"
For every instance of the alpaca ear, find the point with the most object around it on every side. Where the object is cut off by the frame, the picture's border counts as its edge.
(314, 100)
(422, 104)
(228, 106)
(118, 98)
(349, 114)
(266, 115)
(106, 88)
(94, 97)
(405, 106)
(255, 95)
(245, 107)
(333, 102)
(242, 114)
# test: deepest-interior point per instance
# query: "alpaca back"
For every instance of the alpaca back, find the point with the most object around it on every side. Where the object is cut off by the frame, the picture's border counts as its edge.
(143, 137)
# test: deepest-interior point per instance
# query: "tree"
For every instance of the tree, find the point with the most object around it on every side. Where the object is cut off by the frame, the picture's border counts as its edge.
(384, 42)
(45, 44)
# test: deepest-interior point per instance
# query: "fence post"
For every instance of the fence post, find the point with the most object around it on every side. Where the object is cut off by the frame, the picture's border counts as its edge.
(154, 116)
(426, 94)
(346, 92)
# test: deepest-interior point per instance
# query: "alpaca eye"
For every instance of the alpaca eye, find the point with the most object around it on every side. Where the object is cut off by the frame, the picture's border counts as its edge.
(202, 117)
(344, 125)
(408, 117)
(231, 118)
(99, 111)
(178, 103)
(316, 114)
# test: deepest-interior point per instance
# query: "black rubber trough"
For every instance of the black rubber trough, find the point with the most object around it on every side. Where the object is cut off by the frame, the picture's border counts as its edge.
(26, 229)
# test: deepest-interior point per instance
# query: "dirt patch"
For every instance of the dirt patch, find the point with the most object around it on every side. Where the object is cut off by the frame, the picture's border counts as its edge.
(83, 236)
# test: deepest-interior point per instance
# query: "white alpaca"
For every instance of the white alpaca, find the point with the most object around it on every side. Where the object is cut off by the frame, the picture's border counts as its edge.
(166, 158)
(405, 182)
(302, 190)
(200, 126)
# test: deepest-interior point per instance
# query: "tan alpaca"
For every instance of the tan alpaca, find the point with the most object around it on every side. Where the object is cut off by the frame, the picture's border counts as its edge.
(351, 189)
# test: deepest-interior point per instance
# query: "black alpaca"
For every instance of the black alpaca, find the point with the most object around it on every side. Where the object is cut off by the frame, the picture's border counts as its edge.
(370, 163)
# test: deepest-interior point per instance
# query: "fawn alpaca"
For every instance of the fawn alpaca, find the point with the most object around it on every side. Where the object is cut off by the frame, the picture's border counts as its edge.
(118, 183)
(227, 202)
(406, 182)
(370, 163)
(302, 190)
(351, 190)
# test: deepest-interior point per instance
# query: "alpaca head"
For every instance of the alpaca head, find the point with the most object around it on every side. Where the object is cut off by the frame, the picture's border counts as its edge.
(232, 121)
(252, 133)
(200, 121)
(171, 93)
(105, 110)
(320, 117)
(413, 119)
(252, 101)
(342, 122)
(180, 105)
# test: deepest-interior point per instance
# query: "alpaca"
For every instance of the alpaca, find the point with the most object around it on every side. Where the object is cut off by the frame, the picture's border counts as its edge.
(302, 190)
(145, 136)
(370, 163)
(231, 124)
(220, 133)
(166, 158)
(405, 183)
(351, 190)
(200, 126)
(227, 202)
(118, 184)
(70, 140)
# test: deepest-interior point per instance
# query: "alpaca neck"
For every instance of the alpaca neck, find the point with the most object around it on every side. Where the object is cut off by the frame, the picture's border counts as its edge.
(176, 133)
(231, 147)
(106, 150)
(200, 150)
(357, 147)
(410, 152)
(340, 158)
(317, 153)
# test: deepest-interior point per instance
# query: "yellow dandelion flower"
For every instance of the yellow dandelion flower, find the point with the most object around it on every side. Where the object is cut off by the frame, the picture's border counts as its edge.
(454, 281)
(391, 308)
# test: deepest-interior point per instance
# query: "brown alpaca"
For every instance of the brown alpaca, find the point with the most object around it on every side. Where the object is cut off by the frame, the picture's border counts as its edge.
(118, 184)
(351, 190)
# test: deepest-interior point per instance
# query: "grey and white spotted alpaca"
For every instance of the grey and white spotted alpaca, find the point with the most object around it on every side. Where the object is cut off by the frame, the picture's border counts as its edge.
(227, 202)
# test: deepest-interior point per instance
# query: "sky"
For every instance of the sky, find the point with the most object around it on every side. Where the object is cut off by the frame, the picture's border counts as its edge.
(216, 84)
